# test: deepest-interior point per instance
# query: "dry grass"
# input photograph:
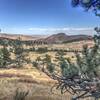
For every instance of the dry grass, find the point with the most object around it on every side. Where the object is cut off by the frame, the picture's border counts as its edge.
(67, 46)
(30, 79)
(31, 74)
(37, 84)
(73, 45)
(36, 91)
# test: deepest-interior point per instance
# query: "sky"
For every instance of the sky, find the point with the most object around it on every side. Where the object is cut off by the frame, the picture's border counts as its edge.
(45, 17)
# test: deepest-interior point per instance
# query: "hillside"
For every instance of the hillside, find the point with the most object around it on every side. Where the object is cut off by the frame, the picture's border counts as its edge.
(63, 38)
(23, 37)
(52, 39)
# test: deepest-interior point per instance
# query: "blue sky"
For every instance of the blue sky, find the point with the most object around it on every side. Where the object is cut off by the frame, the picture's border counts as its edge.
(45, 17)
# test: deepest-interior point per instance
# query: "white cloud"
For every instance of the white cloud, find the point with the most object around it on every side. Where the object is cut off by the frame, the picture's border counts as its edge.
(49, 31)
(73, 31)
(35, 29)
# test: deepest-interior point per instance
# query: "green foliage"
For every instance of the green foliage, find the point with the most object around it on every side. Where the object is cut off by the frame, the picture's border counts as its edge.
(87, 65)
(32, 49)
(67, 67)
(5, 59)
(48, 63)
(50, 67)
(93, 5)
(4, 42)
(1, 58)
(38, 59)
(42, 50)
(44, 64)
(19, 53)
(89, 61)
(35, 64)
(60, 52)
(47, 58)
(20, 95)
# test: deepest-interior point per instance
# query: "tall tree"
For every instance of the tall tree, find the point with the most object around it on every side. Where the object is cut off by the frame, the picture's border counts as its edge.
(19, 52)
(82, 78)
(5, 59)
(93, 5)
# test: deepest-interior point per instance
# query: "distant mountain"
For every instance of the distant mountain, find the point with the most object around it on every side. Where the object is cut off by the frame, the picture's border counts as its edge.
(23, 37)
(63, 38)
(55, 38)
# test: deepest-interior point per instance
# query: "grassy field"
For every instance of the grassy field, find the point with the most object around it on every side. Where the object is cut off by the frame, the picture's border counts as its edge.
(38, 84)
(30, 79)
(72, 45)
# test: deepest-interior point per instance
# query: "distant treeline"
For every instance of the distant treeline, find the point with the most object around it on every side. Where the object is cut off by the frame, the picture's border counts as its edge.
(76, 40)
(10, 42)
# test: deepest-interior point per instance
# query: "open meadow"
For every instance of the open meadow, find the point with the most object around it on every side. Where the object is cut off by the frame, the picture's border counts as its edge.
(49, 49)
(17, 81)
(37, 83)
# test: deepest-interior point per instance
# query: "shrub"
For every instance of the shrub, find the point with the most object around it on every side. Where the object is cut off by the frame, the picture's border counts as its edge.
(42, 50)
(20, 95)
(19, 53)
(50, 67)
(5, 59)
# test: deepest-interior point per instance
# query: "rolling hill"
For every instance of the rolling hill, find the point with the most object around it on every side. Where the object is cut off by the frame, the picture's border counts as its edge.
(52, 39)
(63, 38)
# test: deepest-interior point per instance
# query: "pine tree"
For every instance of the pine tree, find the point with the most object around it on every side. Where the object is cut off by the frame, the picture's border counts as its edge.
(47, 58)
(37, 63)
(50, 67)
(67, 67)
(81, 78)
(19, 53)
(47, 64)
(5, 59)
(87, 66)
(44, 64)
(93, 5)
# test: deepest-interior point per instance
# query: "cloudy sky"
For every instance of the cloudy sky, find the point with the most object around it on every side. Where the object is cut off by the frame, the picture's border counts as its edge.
(45, 17)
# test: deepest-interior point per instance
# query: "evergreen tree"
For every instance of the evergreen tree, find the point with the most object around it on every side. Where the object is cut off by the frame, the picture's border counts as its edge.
(50, 67)
(47, 58)
(37, 63)
(5, 59)
(93, 5)
(44, 64)
(87, 65)
(67, 67)
(19, 53)
(47, 64)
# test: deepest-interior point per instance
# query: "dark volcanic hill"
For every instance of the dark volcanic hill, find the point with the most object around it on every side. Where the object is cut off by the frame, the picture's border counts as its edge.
(63, 38)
